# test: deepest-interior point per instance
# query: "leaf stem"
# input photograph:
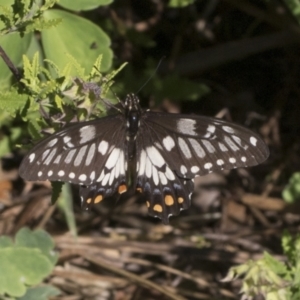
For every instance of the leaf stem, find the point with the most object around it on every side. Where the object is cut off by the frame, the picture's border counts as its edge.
(10, 64)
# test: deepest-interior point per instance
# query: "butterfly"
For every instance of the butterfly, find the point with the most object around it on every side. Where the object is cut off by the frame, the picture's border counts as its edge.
(157, 154)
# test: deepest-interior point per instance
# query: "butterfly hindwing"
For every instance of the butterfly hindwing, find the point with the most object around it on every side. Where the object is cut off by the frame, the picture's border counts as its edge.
(164, 191)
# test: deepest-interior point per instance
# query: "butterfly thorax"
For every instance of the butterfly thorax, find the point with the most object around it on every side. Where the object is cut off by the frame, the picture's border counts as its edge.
(133, 113)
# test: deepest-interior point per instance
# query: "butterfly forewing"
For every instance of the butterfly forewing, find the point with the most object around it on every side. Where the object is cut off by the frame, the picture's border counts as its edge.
(199, 145)
(79, 153)
(169, 151)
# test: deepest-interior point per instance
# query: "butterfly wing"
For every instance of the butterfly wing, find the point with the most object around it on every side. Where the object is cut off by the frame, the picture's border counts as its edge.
(181, 147)
(90, 154)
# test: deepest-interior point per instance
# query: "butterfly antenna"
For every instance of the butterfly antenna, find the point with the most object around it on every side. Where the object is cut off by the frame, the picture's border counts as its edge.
(158, 65)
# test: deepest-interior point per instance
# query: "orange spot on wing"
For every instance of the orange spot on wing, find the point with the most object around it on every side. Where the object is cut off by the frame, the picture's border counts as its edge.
(148, 203)
(158, 208)
(169, 200)
(98, 199)
(122, 189)
(180, 200)
(139, 190)
(89, 200)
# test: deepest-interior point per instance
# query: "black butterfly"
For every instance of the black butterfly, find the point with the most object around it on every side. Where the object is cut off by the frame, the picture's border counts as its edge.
(158, 154)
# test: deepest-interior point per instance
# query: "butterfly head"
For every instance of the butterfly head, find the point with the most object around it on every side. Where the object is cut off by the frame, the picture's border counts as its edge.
(132, 103)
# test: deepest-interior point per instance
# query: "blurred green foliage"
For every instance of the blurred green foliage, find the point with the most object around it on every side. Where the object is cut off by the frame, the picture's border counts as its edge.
(269, 277)
(291, 192)
(25, 263)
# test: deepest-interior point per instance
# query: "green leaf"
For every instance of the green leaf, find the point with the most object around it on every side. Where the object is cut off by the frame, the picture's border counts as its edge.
(19, 267)
(294, 7)
(34, 129)
(65, 204)
(15, 47)
(8, 142)
(76, 36)
(274, 264)
(176, 88)
(40, 292)
(31, 69)
(11, 101)
(288, 246)
(56, 191)
(291, 192)
(78, 5)
(24, 16)
(37, 239)
(5, 241)
(180, 3)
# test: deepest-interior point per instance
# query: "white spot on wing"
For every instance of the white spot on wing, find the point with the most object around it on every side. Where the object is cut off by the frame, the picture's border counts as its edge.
(231, 144)
(87, 133)
(103, 146)
(72, 175)
(186, 126)
(105, 179)
(90, 154)
(40, 173)
(148, 168)
(117, 167)
(61, 173)
(52, 143)
(223, 147)
(237, 140)
(220, 162)
(243, 159)
(155, 175)
(197, 148)
(45, 154)
(50, 156)
(169, 143)
(228, 129)
(183, 169)
(184, 148)
(158, 145)
(113, 157)
(122, 163)
(162, 178)
(169, 174)
(195, 169)
(211, 128)
(232, 160)
(142, 164)
(155, 156)
(70, 156)
(57, 159)
(31, 157)
(67, 140)
(208, 166)
(112, 176)
(80, 156)
(82, 177)
(210, 131)
(253, 140)
(50, 173)
(210, 148)
(92, 176)
(101, 176)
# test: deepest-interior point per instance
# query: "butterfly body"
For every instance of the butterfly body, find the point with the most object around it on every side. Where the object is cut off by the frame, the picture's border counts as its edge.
(158, 154)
